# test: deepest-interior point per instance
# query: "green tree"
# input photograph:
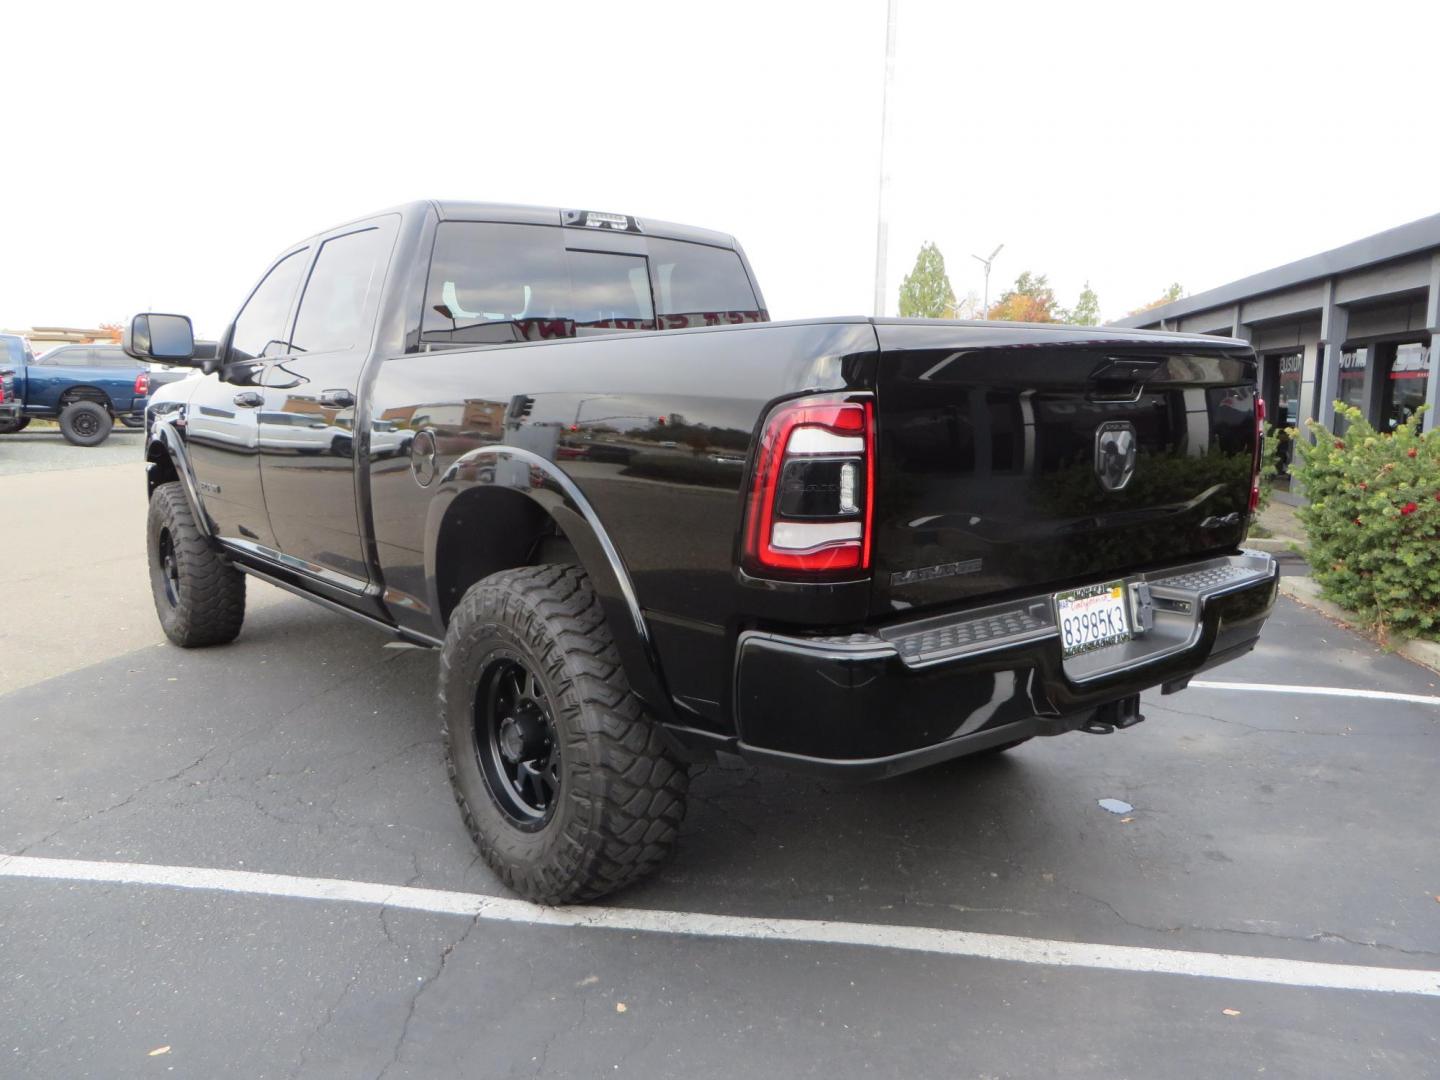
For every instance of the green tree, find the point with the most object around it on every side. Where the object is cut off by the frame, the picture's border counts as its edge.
(926, 293)
(1169, 296)
(1086, 311)
(1030, 299)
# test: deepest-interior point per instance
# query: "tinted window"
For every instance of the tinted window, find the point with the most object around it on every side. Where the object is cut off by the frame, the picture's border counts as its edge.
(696, 285)
(113, 358)
(68, 358)
(340, 293)
(609, 292)
(494, 283)
(260, 327)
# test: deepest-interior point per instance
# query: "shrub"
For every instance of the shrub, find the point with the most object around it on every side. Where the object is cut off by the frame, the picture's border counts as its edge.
(1374, 521)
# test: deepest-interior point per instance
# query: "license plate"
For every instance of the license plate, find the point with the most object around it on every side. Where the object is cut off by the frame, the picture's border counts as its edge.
(1092, 618)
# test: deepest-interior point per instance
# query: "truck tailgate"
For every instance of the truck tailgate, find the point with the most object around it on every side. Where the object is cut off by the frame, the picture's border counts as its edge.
(1012, 460)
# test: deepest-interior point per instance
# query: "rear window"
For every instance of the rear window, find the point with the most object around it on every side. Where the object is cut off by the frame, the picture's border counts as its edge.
(492, 283)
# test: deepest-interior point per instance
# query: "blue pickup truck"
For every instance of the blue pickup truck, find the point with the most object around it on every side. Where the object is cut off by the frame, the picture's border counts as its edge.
(85, 387)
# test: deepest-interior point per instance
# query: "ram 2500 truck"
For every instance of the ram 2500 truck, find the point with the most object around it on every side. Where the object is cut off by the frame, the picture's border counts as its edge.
(643, 524)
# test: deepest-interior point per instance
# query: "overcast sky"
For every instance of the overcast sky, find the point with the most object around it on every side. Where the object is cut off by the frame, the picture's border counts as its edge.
(157, 157)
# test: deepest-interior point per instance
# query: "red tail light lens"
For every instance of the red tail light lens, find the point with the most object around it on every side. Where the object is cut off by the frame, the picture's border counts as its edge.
(810, 503)
(142, 384)
(1259, 453)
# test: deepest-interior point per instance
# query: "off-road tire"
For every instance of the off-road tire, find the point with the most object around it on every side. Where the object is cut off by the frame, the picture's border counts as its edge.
(85, 423)
(621, 794)
(204, 602)
(10, 427)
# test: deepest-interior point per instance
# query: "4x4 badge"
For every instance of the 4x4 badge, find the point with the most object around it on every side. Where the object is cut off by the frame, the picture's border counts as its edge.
(1115, 446)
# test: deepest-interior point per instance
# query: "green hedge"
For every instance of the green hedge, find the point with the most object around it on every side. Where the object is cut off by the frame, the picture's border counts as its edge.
(1374, 521)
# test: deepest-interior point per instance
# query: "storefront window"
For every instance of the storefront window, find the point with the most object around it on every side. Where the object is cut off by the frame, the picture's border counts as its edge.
(1282, 406)
(1354, 363)
(1404, 390)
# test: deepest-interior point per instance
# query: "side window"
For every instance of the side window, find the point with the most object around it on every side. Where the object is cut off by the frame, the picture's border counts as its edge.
(106, 358)
(69, 358)
(492, 283)
(261, 325)
(341, 293)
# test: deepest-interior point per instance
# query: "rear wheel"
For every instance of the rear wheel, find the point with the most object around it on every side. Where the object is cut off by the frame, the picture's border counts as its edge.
(563, 781)
(84, 423)
(9, 427)
(199, 595)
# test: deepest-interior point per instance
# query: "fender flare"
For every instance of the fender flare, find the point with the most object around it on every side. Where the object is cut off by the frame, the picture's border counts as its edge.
(561, 500)
(165, 438)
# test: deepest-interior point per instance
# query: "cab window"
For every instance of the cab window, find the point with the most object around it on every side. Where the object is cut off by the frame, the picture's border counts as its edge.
(341, 294)
(260, 328)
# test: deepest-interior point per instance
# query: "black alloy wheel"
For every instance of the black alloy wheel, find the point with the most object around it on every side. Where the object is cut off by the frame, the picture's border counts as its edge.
(169, 568)
(516, 744)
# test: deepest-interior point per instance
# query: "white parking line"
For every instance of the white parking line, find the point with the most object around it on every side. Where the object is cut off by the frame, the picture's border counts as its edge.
(1329, 691)
(1021, 950)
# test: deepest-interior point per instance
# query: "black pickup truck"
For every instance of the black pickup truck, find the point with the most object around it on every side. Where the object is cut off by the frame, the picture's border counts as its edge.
(644, 524)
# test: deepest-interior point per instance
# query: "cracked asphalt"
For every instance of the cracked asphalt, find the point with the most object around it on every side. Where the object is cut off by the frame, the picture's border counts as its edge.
(1273, 825)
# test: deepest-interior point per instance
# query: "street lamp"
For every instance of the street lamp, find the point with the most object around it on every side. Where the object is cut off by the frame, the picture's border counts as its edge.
(986, 263)
(882, 223)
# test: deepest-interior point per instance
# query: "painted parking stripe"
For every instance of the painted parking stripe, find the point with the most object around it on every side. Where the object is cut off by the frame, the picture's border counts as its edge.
(1327, 691)
(1021, 950)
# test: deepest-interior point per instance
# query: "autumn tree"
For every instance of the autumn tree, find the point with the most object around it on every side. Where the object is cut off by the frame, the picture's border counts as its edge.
(926, 293)
(1030, 299)
(1169, 296)
(114, 331)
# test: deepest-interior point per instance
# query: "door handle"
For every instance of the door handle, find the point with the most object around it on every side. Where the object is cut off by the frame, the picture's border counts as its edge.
(337, 399)
(249, 399)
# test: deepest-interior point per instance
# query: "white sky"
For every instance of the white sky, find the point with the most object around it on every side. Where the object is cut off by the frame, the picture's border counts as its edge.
(156, 157)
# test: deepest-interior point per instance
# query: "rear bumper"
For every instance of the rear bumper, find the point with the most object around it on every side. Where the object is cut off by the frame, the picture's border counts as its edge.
(876, 704)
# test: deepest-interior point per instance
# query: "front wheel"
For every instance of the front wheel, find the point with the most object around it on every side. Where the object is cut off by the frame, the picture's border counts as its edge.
(199, 595)
(132, 422)
(84, 423)
(565, 784)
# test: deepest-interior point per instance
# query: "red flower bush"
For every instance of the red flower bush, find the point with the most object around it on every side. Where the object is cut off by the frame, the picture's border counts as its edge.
(1373, 520)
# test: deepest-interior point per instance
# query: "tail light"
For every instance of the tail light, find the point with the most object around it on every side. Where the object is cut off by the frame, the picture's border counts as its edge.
(810, 503)
(142, 384)
(1259, 453)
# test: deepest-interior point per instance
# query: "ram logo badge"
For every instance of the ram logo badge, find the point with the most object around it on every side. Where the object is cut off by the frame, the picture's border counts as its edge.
(1115, 446)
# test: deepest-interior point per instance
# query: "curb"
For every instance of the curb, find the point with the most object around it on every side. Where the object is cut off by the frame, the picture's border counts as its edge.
(1304, 590)
(1274, 544)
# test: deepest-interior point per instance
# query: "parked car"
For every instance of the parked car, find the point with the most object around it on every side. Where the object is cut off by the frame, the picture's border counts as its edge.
(945, 538)
(85, 387)
(14, 355)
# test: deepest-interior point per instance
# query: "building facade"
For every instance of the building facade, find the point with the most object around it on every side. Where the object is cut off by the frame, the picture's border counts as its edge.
(1358, 324)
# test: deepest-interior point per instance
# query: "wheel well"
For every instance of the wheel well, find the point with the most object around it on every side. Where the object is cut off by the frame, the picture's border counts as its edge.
(160, 468)
(86, 393)
(486, 530)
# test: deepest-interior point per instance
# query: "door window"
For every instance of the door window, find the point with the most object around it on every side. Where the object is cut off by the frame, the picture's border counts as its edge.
(260, 328)
(340, 297)
(67, 358)
(492, 283)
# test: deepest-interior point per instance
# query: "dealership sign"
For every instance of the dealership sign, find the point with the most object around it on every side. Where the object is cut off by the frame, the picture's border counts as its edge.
(1411, 362)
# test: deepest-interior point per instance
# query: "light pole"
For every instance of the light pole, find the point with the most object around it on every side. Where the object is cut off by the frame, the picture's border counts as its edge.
(985, 314)
(882, 225)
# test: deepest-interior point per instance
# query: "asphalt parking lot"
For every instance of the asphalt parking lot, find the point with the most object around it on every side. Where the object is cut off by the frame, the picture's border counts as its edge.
(1286, 836)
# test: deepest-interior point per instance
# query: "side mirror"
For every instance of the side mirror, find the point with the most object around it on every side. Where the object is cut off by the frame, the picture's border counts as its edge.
(166, 339)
